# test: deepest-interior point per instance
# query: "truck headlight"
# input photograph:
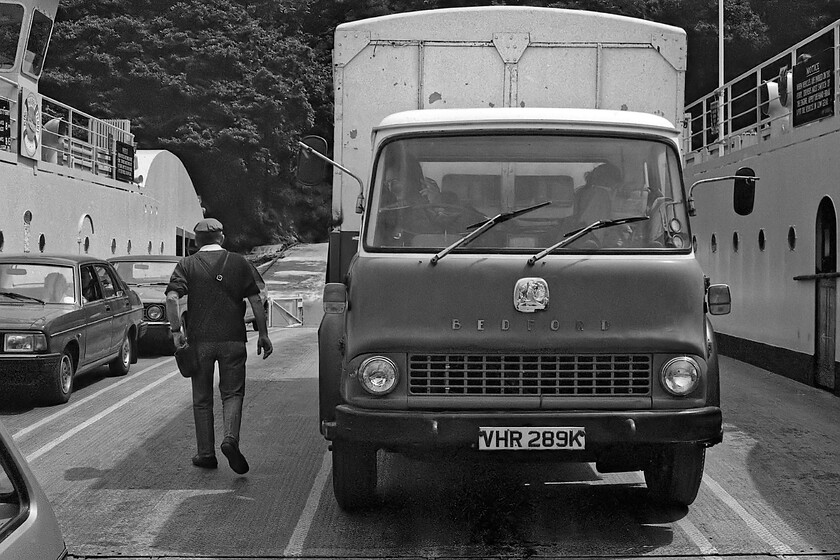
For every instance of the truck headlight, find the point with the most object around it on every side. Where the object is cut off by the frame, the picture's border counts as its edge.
(24, 342)
(378, 375)
(680, 376)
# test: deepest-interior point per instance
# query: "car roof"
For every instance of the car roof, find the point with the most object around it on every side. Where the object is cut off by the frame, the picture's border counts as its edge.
(49, 258)
(146, 258)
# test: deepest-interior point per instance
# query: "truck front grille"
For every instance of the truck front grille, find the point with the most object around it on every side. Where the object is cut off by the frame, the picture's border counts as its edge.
(529, 374)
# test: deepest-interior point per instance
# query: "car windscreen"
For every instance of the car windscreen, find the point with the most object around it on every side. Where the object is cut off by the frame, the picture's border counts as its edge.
(44, 282)
(145, 273)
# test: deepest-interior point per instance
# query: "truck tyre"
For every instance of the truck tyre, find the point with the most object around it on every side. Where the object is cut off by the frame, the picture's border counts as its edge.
(675, 473)
(59, 386)
(354, 475)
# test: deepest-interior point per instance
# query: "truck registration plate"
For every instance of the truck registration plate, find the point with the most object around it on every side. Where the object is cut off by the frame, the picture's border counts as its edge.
(525, 438)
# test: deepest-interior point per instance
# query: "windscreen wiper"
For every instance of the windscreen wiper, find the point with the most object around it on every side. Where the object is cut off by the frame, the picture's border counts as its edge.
(21, 297)
(574, 235)
(144, 284)
(484, 226)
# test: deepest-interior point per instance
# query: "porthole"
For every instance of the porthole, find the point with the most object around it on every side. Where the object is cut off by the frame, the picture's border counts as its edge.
(714, 243)
(42, 242)
(792, 238)
(736, 241)
(128, 247)
(161, 247)
(27, 217)
(150, 248)
(694, 242)
(761, 240)
(113, 246)
(2, 241)
(87, 244)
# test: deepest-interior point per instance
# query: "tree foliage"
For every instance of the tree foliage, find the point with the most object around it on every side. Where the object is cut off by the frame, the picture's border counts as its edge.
(230, 85)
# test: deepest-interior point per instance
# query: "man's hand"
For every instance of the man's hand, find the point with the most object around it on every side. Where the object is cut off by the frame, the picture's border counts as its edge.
(179, 338)
(264, 346)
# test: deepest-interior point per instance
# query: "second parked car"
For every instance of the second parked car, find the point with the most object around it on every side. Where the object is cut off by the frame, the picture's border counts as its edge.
(62, 315)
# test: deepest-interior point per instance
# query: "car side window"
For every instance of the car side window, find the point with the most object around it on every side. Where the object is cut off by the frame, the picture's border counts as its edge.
(11, 501)
(110, 286)
(90, 286)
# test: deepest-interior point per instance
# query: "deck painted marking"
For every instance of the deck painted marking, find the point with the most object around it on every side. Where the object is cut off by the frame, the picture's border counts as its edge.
(78, 403)
(93, 419)
(754, 524)
(298, 538)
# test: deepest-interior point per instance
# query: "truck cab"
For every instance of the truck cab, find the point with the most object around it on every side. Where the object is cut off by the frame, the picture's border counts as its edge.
(523, 284)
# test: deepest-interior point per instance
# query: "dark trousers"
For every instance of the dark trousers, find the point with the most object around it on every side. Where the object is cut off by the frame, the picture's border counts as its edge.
(231, 359)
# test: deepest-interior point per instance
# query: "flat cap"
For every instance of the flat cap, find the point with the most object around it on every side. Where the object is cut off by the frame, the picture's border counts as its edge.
(208, 225)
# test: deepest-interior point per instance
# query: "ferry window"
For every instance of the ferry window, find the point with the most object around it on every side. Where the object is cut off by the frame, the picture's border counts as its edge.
(150, 248)
(161, 247)
(42, 242)
(792, 238)
(11, 17)
(736, 241)
(761, 240)
(128, 247)
(113, 246)
(36, 45)
(2, 241)
(694, 242)
(714, 243)
(87, 244)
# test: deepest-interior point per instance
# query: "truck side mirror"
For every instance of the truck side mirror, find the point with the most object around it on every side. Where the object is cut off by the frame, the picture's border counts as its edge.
(744, 197)
(312, 170)
(720, 300)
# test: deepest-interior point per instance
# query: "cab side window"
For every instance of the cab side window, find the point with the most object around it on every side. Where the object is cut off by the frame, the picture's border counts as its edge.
(109, 287)
(90, 286)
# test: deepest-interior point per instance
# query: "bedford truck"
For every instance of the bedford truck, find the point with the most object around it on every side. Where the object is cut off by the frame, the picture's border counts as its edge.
(511, 271)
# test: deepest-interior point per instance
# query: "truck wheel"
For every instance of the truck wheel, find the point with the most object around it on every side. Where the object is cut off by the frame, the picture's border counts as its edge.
(354, 475)
(675, 473)
(59, 386)
(122, 363)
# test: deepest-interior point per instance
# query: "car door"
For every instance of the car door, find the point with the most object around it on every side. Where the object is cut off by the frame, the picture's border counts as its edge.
(120, 305)
(98, 317)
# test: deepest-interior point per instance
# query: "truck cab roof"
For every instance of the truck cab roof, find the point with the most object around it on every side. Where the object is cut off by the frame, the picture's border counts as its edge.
(525, 118)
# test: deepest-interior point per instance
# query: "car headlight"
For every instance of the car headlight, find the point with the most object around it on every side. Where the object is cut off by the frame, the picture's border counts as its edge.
(154, 312)
(378, 375)
(24, 342)
(680, 376)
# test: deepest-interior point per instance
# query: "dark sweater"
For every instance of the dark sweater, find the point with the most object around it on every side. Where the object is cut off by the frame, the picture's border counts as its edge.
(215, 313)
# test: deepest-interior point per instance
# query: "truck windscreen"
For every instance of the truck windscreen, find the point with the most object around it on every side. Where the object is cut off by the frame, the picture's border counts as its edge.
(428, 191)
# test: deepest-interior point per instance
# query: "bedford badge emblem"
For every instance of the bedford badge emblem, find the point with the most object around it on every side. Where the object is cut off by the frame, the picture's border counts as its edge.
(530, 294)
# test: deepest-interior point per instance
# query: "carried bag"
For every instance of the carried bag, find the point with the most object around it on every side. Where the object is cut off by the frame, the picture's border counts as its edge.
(187, 359)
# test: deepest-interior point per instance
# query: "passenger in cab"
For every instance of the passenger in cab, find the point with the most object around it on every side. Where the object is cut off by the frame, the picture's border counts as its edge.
(55, 289)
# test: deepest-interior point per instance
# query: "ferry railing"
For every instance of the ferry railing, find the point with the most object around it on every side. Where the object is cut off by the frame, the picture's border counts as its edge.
(81, 141)
(748, 110)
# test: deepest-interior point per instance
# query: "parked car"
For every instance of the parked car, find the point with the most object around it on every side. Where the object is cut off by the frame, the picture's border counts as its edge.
(148, 275)
(60, 316)
(28, 526)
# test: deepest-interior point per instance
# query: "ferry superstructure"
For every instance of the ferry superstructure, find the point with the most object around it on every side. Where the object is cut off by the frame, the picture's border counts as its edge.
(71, 182)
(781, 119)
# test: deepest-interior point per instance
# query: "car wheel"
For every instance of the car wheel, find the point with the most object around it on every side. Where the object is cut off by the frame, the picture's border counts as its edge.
(675, 474)
(121, 364)
(59, 386)
(354, 475)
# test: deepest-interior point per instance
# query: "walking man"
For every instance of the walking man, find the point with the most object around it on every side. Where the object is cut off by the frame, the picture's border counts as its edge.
(217, 283)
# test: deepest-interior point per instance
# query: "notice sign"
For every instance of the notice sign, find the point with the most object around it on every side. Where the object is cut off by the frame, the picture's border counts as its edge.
(125, 162)
(5, 126)
(813, 88)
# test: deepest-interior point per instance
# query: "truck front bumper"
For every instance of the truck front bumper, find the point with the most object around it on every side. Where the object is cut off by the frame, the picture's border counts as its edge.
(446, 429)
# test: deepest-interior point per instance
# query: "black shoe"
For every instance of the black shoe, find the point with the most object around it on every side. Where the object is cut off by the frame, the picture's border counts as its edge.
(235, 458)
(205, 461)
